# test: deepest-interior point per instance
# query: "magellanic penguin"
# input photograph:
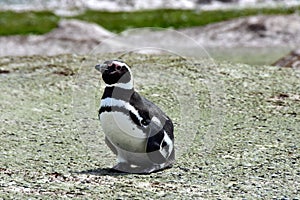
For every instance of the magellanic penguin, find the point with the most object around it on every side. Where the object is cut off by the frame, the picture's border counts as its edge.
(136, 130)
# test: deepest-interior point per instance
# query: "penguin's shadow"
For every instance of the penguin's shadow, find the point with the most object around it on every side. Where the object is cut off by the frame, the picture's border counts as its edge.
(113, 172)
(104, 172)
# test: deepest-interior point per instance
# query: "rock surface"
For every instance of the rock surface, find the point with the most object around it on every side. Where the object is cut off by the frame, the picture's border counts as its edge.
(73, 7)
(246, 116)
(254, 31)
(71, 36)
(292, 60)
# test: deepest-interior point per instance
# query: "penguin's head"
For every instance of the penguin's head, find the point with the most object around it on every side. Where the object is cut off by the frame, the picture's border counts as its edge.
(115, 73)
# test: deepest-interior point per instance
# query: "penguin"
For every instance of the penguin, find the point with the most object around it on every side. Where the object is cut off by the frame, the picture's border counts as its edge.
(137, 131)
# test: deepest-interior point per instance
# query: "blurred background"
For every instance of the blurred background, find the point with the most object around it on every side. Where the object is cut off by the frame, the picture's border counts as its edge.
(260, 32)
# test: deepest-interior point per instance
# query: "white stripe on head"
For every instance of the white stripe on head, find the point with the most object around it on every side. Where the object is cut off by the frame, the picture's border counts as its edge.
(119, 63)
(128, 85)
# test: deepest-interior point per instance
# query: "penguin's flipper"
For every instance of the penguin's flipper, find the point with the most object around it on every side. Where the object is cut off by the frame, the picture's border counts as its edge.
(153, 148)
(160, 142)
(159, 148)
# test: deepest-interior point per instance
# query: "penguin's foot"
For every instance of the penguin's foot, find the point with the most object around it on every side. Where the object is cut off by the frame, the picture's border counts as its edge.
(122, 167)
(129, 168)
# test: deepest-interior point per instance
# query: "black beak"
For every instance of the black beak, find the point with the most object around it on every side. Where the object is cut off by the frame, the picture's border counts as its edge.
(101, 67)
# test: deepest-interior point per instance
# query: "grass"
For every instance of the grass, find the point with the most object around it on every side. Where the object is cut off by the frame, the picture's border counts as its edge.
(52, 144)
(13, 23)
(165, 18)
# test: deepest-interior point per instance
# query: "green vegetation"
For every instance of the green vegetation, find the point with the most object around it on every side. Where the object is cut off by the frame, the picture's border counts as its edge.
(41, 22)
(13, 23)
(119, 21)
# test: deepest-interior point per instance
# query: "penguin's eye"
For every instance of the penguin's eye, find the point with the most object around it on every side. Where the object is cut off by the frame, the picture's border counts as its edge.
(118, 67)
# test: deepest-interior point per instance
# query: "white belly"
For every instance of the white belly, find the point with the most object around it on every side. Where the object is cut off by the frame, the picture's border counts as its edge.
(122, 132)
